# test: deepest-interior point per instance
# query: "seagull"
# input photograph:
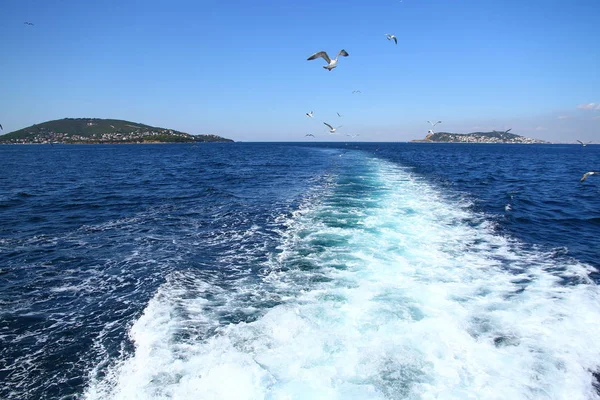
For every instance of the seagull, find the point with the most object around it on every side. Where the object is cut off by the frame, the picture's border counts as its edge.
(353, 136)
(28, 23)
(432, 124)
(390, 37)
(583, 144)
(356, 91)
(331, 64)
(309, 114)
(1, 127)
(309, 134)
(430, 132)
(585, 176)
(331, 128)
(339, 115)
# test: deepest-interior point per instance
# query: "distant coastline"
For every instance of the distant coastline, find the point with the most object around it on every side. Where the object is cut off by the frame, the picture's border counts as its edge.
(477, 137)
(101, 131)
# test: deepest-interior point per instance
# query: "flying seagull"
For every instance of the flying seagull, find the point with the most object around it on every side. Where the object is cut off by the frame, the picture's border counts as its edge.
(430, 132)
(583, 144)
(309, 134)
(309, 114)
(356, 91)
(353, 136)
(585, 176)
(1, 127)
(339, 115)
(331, 64)
(331, 128)
(390, 37)
(432, 124)
(28, 23)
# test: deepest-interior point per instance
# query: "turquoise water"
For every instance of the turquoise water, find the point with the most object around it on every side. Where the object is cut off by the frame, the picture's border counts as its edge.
(264, 271)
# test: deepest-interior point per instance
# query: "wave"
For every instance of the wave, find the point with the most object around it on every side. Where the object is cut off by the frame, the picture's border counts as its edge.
(381, 287)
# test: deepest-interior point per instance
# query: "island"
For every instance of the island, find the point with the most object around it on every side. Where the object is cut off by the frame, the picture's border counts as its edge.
(477, 137)
(101, 131)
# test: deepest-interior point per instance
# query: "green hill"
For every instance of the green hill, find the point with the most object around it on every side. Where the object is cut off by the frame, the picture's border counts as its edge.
(97, 130)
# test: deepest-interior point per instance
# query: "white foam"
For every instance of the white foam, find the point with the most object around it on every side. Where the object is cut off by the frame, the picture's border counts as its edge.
(397, 294)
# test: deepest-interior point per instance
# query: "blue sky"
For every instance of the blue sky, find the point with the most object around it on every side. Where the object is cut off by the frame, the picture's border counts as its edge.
(238, 68)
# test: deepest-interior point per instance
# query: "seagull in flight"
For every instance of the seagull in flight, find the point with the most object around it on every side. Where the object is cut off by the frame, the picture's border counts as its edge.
(309, 134)
(356, 91)
(430, 132)
(331, 128)
(390, 37)
(585, 176)
(353, 136)
(309, 114)
(331, 64)
(28, 23)
(339, 115)
(583, 144)
(1, 127)
(432, 124)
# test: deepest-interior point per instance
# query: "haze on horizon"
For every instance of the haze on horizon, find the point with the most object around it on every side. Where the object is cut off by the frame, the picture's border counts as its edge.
(239, 70)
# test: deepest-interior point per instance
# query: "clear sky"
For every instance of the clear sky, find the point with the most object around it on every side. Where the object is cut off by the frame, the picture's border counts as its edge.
(238, 68)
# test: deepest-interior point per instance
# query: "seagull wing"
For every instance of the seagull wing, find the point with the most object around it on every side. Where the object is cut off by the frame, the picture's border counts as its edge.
(586, 175)
(338, 114)
(580, 141)
(330, 127)
(320, 54)
(396, 39)
(342, 53)
(508, 130)
(1, 127)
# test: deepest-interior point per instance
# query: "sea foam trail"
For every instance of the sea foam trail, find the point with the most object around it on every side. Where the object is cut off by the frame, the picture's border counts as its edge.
(382, 288)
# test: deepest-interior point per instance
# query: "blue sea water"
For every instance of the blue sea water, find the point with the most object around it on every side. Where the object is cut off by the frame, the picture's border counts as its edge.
(299, 271)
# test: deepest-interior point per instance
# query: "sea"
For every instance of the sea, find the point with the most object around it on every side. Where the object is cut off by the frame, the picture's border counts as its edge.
(299, 271)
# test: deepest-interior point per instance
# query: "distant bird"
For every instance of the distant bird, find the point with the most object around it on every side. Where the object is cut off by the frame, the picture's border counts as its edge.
(430, 132)
(1, 127)
(583, 144)
(432, 124)
(331, 64)
(506, 131)
(28, 23)
(309, 134)
(339, 115)
(309, 114)
(356, 91)
(390, 37)
(585, 176)
(331, 128)
(353, 136)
